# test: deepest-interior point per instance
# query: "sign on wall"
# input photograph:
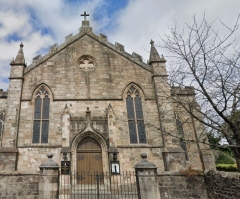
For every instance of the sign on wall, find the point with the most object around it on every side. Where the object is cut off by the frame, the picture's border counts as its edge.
(65, 167)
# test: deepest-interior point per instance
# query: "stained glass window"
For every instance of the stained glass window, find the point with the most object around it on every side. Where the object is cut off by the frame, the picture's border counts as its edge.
(2, 119)
(135, 116)
(41, 116)
(181, 134)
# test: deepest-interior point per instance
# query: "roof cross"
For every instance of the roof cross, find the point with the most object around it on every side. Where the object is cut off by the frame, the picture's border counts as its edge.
(85, 15)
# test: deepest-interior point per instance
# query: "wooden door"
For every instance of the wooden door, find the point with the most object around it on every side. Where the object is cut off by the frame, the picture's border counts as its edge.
(89, 161)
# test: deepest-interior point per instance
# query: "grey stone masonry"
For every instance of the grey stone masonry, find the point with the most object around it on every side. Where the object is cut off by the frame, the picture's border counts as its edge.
(8, 157)
(224, 185)
(174, 185)
(3, 94)
(17, 185)
(13, 100)
(49, 178)
(146, 173)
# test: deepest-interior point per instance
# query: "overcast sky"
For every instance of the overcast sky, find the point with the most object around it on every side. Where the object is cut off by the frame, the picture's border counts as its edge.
(41, 23)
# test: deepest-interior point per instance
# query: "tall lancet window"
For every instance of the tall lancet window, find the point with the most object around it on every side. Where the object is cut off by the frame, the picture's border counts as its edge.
(2, 119)
(41, 116)
(135, 116)
(181, 134)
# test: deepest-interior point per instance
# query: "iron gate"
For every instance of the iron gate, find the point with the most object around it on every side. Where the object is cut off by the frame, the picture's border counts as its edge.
(98, 186)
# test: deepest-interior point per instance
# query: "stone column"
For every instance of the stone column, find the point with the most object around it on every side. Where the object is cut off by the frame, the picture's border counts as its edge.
(146, 173)
(49, 178)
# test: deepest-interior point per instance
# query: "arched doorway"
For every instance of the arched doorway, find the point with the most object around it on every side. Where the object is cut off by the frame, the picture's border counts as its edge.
(89, 160)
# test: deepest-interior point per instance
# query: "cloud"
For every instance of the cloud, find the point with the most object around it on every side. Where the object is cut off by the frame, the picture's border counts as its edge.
(144, 20)
(38, 24)
(133, 23)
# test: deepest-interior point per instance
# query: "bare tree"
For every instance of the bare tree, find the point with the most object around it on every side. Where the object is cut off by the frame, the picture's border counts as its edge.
(209, 62)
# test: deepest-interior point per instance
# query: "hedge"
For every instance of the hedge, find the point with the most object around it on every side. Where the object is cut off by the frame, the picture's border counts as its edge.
(226, 167)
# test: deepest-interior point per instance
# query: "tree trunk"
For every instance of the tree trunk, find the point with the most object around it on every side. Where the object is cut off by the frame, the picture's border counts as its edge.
(238, 163)
(237, 157)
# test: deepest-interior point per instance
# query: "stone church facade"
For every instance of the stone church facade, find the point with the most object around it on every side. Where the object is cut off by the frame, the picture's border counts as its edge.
(90, 102)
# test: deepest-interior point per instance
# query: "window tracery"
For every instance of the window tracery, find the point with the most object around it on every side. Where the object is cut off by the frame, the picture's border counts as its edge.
(181, 134)
(135, 116)
(86, 63)
(41, 116)
(2, 120)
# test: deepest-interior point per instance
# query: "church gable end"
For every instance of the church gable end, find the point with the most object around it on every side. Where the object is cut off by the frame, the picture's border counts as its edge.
(88, 101)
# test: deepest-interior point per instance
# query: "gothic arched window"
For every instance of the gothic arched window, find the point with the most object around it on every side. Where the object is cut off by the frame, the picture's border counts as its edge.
(2, 119)
(181, 134)
(41, 116)
(135, 116)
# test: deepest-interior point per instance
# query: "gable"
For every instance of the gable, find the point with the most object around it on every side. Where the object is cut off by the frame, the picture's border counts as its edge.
(113, 69)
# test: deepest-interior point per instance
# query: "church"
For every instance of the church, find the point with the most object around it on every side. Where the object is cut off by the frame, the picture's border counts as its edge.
(90, 103)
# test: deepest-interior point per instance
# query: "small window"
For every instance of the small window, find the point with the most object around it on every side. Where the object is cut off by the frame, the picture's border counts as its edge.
(2, 119)
(41, 116)
(181, 134)
(135, 116)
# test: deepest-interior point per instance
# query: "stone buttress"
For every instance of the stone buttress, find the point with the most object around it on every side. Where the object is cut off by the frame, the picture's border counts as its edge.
(173, 154)
(9, 140)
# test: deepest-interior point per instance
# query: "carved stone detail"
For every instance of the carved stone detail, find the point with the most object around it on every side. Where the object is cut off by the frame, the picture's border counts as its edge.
(86, 64)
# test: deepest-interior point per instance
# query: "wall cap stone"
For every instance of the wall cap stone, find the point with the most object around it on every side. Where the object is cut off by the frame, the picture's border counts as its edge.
(230, 175)
(49, 163)
(145, 164)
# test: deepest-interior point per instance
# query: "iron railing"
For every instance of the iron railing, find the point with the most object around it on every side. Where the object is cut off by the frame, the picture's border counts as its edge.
(84, 185)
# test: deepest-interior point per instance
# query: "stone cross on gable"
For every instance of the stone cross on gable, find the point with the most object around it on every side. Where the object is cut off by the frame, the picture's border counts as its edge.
(85, 15)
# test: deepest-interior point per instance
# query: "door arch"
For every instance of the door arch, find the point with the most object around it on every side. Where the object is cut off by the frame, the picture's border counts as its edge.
(89, 160)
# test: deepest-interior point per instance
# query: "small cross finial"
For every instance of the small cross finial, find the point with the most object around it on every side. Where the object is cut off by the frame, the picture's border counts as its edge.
(85, 15)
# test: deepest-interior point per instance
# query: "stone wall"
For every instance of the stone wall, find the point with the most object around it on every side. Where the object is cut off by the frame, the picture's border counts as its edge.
(178, 186)
(8, 159)
(19, 186)
(3, 103)
(222, 184)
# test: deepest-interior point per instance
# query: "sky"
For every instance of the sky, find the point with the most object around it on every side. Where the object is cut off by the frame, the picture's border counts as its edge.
(133, 23)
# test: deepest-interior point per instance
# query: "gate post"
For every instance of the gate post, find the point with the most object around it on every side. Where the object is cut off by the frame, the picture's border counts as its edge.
(146, 173)
(49, 178)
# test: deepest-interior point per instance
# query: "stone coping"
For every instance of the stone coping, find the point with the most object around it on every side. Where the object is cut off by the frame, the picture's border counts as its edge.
(174, 173)
(224, 174)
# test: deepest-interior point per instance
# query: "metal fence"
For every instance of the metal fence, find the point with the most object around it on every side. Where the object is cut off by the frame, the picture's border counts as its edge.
(98, 186)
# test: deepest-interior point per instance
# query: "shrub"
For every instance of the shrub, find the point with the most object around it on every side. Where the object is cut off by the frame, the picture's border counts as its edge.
(226, 167)
(224, 158)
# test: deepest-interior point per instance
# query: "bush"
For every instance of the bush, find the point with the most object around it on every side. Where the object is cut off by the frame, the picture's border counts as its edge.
(226, 167)
(224, 158)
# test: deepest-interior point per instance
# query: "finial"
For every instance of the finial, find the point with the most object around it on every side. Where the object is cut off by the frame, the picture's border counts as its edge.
(20, 57)
(151, 42)
(144, 156)
(85, 15)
